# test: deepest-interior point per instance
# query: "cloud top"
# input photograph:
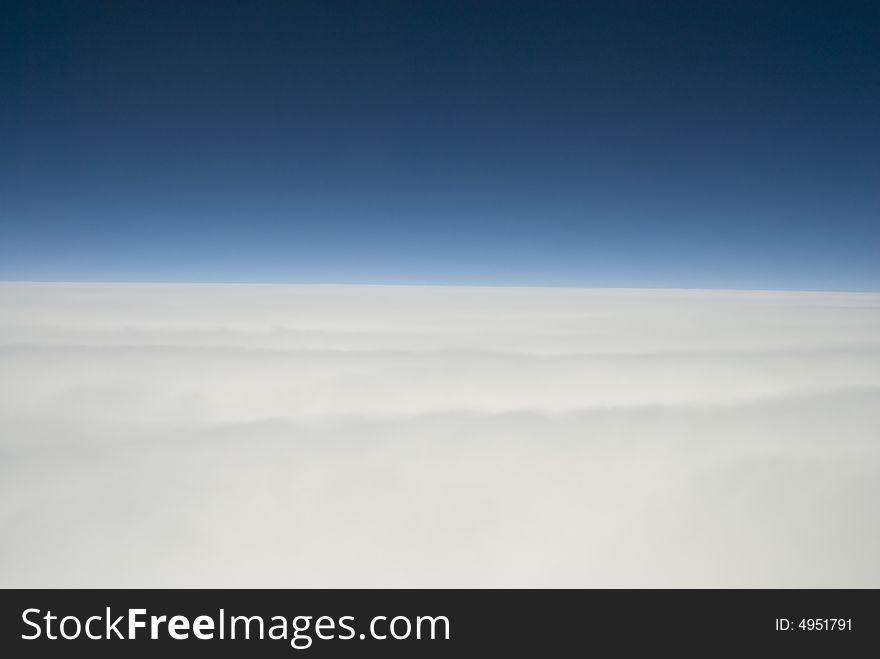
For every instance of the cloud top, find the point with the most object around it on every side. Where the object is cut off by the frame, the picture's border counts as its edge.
(263, 435)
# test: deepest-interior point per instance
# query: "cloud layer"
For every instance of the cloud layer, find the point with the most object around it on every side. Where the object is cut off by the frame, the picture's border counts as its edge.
(260, 435)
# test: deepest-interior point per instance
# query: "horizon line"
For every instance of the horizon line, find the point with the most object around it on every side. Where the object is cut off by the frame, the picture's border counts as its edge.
(332, 284)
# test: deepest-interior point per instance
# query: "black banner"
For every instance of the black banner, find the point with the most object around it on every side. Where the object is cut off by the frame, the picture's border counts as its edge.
(279, 623)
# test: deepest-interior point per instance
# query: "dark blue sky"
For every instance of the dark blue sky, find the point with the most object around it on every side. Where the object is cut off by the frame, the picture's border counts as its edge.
(716, 144)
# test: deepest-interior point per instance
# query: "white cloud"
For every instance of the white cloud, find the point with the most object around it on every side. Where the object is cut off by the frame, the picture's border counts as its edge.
(232, 435)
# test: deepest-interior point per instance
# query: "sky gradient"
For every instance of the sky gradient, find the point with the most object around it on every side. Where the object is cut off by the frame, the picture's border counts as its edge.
(646, 144)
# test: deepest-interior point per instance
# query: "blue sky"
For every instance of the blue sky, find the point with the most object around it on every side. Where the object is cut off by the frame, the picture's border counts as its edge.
(686, 144)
